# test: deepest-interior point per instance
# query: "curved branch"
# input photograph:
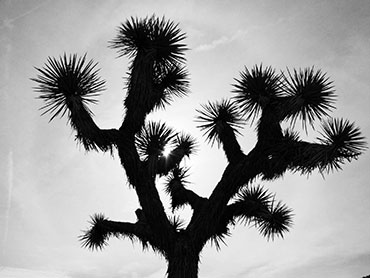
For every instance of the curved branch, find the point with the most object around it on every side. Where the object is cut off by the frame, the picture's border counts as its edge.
(220, 121)
(102, 228)
(68, 85)
(181, 195)
(88, 133)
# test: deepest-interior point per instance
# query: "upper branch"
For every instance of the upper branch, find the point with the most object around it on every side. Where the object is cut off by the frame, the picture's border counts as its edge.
(68, 85)
(342, 141)
(220, 121)
(156, 74)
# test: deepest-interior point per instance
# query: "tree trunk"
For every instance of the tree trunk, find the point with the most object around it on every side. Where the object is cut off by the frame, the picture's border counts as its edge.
(183, 261)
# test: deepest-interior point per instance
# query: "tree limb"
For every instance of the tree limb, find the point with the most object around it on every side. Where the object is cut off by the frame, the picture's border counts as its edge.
(102, 228)
(181, 195)
(88, 133)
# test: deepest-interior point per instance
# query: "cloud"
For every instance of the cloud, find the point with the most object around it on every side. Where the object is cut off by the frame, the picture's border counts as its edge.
(8, 22)
(221, 41)
(10, 272)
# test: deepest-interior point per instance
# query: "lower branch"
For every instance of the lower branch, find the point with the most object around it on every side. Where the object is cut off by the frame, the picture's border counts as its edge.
(102, 229)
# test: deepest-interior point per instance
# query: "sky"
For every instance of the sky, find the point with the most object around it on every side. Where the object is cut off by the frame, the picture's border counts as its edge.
(49, 186)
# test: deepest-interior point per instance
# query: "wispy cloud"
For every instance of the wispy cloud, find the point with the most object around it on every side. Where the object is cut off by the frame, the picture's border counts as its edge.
(221, 41)
(8, 22)
(240, 34)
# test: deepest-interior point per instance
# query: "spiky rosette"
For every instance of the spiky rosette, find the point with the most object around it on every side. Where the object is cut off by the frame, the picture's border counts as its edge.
(175, 182)
(153, 36)
(186, 143)
(344, 140)
(96, 237)
(69, 83)
(254, 195)
(179, 174)
(276, 222)
(153, 138)
(170, 81)
(310, 95)
(256, 205)
(255, 89)
(216, 116)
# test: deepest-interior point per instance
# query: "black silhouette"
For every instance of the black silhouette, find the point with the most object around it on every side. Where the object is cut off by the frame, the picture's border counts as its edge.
(156, 76)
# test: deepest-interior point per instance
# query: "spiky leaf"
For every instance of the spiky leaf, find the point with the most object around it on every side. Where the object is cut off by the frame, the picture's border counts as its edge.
(68, 83)
(187, 143)
(256, 205)
(156, 37)
(276, 222)
(175, 182)
(96, 237)
(255, 89)
(169, 81)
(344, 140)
(310, 95)
(153, 138)
(215, 116)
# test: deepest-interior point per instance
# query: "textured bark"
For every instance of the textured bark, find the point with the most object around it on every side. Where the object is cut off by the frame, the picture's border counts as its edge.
(183, 260)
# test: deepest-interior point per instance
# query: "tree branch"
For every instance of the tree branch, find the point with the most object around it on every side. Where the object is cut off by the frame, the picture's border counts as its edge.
(88, 133)
(230, 144)
(102, 228)
(180, 195)
(68, 85)
(220, 122)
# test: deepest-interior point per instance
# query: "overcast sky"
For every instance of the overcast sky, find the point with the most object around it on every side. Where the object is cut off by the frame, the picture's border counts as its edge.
(50, 186)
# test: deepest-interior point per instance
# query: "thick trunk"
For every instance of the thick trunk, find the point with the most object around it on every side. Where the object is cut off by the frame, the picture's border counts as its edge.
(183, 261)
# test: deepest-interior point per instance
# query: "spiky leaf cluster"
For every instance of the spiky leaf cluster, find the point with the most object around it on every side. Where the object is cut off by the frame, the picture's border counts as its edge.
(256, 89)
(153, 139)
(102, 229)
(155, 37)
(304, 94)
(310, 94)
(169, 81)
(215, 116)
(97, 236)
(257, 206)
(344, 141)
(69, 82)
(186, 143)
(175, 182)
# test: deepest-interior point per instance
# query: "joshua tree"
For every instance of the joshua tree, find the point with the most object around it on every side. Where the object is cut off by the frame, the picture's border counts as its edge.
(156, 75)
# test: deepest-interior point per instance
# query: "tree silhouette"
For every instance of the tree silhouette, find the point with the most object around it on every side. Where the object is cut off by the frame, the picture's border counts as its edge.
(156, 76)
